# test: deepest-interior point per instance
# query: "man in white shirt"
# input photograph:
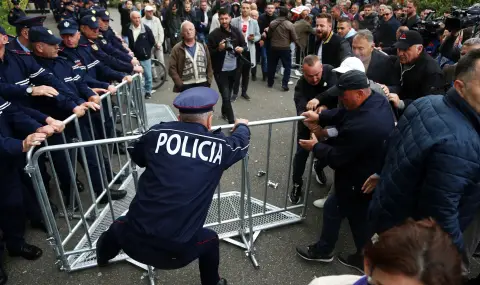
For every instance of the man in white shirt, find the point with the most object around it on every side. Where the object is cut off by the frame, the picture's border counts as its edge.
(251, 33)
(155, 25)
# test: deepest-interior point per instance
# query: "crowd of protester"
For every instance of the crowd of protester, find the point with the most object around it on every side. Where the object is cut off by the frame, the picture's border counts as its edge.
(398, 126)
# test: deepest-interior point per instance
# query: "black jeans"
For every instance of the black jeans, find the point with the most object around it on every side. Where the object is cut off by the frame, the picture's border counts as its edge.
(286, 57)
(225, 81)
(243, 74)
(334, 211)
(301, 155)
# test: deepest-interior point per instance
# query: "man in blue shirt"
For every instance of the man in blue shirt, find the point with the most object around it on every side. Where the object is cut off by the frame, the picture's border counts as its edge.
(164, 225)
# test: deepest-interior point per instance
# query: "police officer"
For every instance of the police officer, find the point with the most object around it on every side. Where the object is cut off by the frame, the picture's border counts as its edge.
(69, 11)
(164, 225)
(108, 34)
(21, 43)
(15, 13)
(45, 49)
(89, 28)
(12, 211)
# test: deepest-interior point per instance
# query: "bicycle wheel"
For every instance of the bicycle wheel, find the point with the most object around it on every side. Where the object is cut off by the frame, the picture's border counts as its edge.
(159, 74)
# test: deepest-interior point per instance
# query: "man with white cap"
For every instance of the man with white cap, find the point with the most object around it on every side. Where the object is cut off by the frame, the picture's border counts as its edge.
(155, 25)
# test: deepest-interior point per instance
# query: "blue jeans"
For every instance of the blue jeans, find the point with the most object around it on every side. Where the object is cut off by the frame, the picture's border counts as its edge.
(334, 211)
(285, 57)
(147, 73)
(264, 58)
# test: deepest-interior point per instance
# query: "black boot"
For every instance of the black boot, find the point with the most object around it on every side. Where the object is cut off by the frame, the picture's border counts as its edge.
(27, 251)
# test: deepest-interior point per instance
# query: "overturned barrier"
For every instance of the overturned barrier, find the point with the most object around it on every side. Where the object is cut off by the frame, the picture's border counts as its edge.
(237, 216)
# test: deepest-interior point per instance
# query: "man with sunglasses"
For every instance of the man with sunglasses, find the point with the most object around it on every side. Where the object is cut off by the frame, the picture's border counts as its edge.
(385, 35)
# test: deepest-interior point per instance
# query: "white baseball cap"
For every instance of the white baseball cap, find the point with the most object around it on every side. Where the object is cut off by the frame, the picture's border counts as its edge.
(148, 8)
(350, 63)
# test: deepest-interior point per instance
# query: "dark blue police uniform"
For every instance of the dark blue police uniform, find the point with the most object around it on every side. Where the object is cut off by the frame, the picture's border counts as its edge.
(24, 22)
(164, 225)
(96, 74)
(14, 14)
(100, 54)
(13, 124)
(112, 45)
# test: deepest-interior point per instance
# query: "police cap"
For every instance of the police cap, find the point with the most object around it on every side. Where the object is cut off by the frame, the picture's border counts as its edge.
(28, 21)
(90, 21)
(2, 31)
(103, 14)
(42, 35)
(68, 27)
(352, 80)
(196, 100)
(87, 12)
(15, 2)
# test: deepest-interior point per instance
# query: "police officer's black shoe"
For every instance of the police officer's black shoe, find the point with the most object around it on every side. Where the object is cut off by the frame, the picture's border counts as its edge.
(120, 179)
(3, 275)
(312, 253)
(115, 194)
(148, 95)
(222, 281)
(27, 251)
(295, 194)
(80, 185)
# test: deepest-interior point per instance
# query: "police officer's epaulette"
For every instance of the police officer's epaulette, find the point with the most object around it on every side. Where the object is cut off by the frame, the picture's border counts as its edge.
(100, 35)
(63, 57)
(61, 48)
(20, 52)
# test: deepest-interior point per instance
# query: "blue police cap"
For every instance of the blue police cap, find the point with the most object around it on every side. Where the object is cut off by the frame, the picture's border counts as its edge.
(2, 31)
(68, 27)
(90, 21)
(28, 21)
(15, 2)
(87, 12)
(196, 100)
(42, 35)
(103, 14)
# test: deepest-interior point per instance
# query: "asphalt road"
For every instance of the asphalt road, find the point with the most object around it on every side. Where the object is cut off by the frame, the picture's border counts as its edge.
(275, 248)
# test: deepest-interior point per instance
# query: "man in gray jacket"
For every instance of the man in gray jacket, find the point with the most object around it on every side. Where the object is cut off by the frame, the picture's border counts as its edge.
(281, 34)
(251, 33)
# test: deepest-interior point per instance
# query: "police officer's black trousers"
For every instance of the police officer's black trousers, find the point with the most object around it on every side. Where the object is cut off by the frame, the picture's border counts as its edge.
(162, 254)
(337, 208)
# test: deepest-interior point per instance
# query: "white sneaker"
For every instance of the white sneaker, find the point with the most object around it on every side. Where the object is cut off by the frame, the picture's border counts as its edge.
(298, 73)
(320, 203)
(290, 82)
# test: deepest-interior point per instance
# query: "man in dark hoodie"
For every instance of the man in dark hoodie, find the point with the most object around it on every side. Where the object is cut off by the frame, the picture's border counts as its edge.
(264, 22)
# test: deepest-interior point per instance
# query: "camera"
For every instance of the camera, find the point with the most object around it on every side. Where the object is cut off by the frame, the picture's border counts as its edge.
(228, 44)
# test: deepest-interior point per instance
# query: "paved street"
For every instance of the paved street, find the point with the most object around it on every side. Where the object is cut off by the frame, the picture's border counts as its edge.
(275, 248)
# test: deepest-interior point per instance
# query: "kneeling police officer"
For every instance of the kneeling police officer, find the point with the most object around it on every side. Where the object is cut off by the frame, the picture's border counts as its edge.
(164, 225)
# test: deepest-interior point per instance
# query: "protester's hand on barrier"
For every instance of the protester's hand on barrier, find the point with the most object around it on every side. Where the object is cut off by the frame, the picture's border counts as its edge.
(312, 104)
(370, 184)
(44, 91)
(128, 78)
(310, 117)
(392, 97)
(95, 99)
(221, 45)
(238, 49)
(80, 110)
(48, 130)
(130, 53)
(33, 140)
(135, 61)
(308, 144)
(92, 105)
(112, 89)
(239, 121)
(57, 125)
(138, 69)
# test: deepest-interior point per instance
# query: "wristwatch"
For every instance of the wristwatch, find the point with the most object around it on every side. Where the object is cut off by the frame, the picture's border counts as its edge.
(29, 91)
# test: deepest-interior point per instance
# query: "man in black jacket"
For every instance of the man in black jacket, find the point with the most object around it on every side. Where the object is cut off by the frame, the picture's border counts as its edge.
(386, 31)
(363, 125)
(225, 44)
(141, 42)
(316, 79)
(419, 73)
(330, 47)
(264, 23)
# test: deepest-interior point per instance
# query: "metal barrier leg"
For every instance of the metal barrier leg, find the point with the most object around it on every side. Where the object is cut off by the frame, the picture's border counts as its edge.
(151, 275)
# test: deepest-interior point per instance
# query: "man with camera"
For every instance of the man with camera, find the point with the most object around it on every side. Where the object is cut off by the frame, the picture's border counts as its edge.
(225, 44)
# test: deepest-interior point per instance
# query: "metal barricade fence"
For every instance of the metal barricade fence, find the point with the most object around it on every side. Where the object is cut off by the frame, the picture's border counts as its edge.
(232, 213)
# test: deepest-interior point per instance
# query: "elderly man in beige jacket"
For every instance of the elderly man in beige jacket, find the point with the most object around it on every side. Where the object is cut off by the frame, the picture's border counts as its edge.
(155, 25)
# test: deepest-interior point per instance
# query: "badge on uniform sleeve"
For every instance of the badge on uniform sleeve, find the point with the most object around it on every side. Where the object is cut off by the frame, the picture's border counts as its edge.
(104, 42)
(107, 13)
(50, 32)
(66, 24)
(94, 46)
(93, 12)
(94, 19)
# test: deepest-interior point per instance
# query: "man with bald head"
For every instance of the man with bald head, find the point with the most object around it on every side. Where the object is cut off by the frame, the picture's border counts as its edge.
(189, 65)
(141, 42)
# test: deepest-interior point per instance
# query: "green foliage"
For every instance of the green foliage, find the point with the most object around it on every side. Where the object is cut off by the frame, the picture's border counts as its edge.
(442, 6)
(5, 7)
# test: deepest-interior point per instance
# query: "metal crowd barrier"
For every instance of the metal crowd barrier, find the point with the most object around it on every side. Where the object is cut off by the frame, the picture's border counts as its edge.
(232, 213)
